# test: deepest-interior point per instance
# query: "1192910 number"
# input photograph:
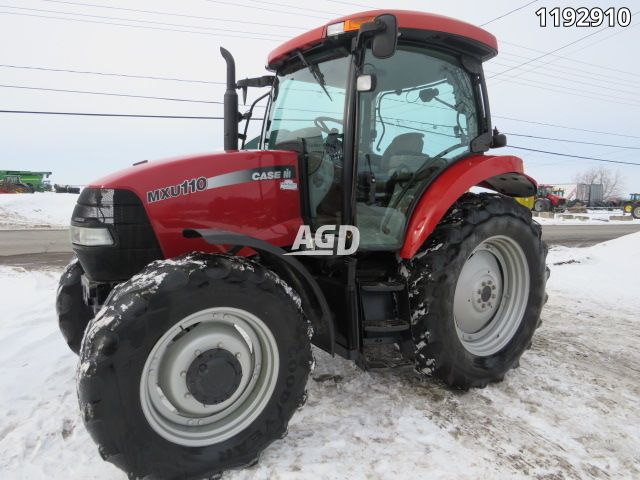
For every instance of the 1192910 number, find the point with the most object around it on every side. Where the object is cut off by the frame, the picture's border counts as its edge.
(584, 17)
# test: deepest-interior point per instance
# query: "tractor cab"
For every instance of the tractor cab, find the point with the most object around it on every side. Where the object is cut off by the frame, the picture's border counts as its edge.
(378, 105)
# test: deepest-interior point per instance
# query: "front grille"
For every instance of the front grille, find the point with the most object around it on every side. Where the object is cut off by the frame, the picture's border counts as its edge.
(135, 243)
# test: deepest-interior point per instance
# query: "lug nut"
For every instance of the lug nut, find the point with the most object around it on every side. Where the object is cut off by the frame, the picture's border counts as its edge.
(187, 395)
(183, 373)
(238, 355)
(197, 353)
(493, 287)
(493, 296)
(220, 345)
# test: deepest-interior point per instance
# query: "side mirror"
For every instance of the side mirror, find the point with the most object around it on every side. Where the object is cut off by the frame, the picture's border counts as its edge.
(498, 140)
(386, 40)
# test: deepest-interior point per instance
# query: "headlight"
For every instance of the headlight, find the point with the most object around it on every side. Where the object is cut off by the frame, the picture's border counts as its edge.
(90, 237)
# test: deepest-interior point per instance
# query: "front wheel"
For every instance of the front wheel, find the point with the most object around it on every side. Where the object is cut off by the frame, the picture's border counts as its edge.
(478, 287)
(193, 367)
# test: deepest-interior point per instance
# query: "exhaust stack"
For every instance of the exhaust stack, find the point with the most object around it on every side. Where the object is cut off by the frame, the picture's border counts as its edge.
(230, 104)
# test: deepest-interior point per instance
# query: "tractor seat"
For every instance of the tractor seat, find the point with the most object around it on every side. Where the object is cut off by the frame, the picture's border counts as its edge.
(404, 144)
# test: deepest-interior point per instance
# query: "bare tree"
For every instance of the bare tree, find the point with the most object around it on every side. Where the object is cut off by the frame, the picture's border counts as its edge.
(611, 180)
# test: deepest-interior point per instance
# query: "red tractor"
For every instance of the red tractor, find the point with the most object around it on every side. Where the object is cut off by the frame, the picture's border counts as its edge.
(549, 199)
(201, 282)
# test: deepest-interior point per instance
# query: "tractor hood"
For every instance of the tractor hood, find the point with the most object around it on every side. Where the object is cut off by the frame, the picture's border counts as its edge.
(254, 193)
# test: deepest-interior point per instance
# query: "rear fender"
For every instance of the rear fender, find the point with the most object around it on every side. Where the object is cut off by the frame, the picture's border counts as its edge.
(314, 303)
(504, 174)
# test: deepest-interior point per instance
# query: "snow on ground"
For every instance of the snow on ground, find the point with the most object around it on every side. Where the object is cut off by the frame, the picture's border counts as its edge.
(592, 217)
(38, 210)
(571, 410)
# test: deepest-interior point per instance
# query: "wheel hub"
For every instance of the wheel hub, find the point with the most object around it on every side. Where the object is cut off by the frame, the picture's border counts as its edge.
(478, 292)
(214, 376)
(209, 376)
(491, 295)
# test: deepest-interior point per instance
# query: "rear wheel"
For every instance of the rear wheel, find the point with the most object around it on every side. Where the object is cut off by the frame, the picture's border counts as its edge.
(193, 367)
(542, 205)
(636, 212)
(478, 287)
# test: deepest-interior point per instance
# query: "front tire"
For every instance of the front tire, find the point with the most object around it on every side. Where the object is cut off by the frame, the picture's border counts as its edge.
(73, 313)
(194, 366)
(477, 290)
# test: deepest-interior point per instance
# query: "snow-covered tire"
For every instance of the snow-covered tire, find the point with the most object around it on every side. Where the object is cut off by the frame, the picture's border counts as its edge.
(477, 227)
(73, 313)
(121, 342)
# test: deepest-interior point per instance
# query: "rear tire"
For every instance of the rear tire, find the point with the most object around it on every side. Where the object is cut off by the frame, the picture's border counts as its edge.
(635, 213)
(73, 313)
(134, 414)
(542, 205)
(477, 289)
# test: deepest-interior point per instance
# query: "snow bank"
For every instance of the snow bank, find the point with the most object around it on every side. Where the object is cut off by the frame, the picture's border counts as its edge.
(592, 217)
(606, 273)
(571, 410)
(38, 210)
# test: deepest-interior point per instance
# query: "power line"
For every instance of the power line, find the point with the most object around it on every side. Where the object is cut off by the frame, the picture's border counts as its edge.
(103, 17)
(566, 140)
(508, 13)
(546, 54)
(238, 4)
(571, 70)
(352, 4)
(575, 156)
(571, 59)
(571, 79)
(565, 90)
(137, 26)
(551, 60)
(565, 127)
(109, 94)
(108, 74)
(173, 14)
(125, 115)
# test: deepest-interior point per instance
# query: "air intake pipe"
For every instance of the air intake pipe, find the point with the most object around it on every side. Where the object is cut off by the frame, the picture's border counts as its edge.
(231, 116)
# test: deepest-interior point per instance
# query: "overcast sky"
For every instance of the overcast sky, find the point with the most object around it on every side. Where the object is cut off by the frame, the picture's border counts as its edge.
(595, 86)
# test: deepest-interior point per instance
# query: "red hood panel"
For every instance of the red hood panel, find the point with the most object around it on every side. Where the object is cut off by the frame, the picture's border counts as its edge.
(255, 193)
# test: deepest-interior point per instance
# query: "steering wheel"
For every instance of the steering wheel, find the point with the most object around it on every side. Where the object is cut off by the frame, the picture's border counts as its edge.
(320, 122)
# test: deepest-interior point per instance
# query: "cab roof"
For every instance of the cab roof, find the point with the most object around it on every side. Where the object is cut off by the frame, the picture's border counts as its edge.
(407, 20)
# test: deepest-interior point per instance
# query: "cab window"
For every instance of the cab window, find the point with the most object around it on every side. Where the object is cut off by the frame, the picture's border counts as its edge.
(421, 117)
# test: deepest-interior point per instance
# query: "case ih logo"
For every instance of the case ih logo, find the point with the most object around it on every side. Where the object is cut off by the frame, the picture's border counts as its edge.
(325, 241)
(187, 187)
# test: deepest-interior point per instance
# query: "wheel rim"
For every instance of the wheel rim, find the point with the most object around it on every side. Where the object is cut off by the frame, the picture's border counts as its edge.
(628, 208)
(491, 295)
(209, 377)
(636, 212)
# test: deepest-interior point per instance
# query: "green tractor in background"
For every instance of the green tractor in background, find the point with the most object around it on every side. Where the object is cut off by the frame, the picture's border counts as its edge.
(632, 205)
(20, 181)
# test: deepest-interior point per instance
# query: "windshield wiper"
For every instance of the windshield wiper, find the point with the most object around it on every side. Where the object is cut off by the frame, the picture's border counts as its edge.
(315, 72)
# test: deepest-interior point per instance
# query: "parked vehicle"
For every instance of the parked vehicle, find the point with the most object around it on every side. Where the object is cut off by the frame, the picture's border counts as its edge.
(22, 181)
(348, 225)
(632, 205)
(549, 199)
